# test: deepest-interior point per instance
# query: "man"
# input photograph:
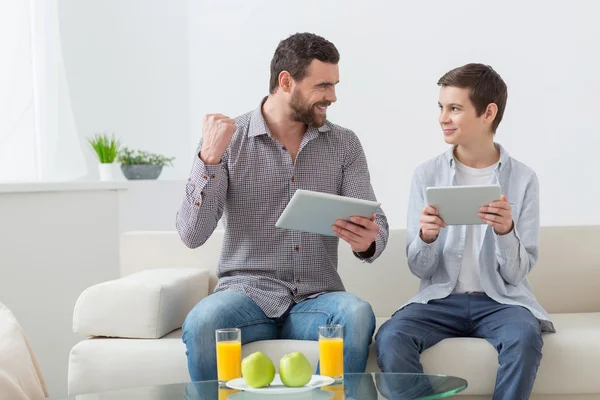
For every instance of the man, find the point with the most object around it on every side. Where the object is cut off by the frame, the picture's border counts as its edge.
(473, 278)
(274, 283)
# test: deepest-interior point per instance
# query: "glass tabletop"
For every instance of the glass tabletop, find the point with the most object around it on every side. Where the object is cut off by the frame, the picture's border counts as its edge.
(354, 386)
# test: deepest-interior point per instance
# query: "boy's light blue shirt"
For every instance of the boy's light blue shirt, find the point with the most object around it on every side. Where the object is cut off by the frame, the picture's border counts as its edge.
(505, 260)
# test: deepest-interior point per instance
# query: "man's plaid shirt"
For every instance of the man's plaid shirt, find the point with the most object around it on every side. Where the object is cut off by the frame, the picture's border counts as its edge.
(252, 186)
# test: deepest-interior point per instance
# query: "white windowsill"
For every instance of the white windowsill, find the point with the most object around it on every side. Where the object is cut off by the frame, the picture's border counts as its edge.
(32, 187)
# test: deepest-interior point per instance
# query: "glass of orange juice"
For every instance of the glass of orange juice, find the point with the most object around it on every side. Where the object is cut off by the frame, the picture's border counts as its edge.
(229, 354)
(331, 351)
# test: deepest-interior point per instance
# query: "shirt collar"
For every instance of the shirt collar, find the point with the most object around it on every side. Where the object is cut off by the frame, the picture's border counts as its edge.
(258, 126)
(503, 156)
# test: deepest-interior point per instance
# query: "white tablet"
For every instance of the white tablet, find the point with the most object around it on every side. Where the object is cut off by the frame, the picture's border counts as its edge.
(459, 205)
(316, 212)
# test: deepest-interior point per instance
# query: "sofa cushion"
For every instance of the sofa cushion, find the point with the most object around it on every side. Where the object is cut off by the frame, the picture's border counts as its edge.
(571, 358)
(101, 364)
(148, 304)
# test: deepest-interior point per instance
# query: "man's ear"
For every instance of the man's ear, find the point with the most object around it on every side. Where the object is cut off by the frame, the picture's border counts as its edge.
(285, 81)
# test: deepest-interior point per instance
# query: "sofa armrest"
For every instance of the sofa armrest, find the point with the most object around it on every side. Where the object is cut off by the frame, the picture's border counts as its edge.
(146, 305)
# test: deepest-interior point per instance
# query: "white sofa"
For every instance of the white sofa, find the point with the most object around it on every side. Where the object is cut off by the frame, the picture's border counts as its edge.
(162, 279)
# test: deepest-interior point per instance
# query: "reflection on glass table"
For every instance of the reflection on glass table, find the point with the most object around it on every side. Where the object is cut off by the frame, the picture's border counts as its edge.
(354, 386)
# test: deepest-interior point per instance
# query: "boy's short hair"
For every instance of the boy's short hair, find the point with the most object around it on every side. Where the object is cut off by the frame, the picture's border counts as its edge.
(485, 87)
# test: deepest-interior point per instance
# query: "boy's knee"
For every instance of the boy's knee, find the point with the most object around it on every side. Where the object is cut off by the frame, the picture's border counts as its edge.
(525, 343)
(390, 336)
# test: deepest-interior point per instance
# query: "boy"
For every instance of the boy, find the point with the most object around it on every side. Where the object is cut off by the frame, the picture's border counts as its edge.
(473, 278)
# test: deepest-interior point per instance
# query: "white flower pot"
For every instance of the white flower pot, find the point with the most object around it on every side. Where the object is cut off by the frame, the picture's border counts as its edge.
(107, 171)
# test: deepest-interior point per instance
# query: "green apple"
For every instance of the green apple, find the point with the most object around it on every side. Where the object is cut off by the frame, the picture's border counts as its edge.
(295, 369)
(258, 370)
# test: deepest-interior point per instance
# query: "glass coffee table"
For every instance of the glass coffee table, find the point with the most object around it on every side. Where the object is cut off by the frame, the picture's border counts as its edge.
(354, 386)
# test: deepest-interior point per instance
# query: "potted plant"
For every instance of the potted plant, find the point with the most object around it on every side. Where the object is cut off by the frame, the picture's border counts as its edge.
(107, 150)
(139, 164)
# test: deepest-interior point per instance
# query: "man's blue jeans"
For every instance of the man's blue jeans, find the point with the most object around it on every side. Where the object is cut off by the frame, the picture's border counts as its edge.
(228, 309)
(512, 330)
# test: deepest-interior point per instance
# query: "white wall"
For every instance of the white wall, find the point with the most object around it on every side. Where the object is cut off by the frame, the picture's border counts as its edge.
(149, 70)
(150, 205)
(393, 52)
(127, 70)
(53, 245)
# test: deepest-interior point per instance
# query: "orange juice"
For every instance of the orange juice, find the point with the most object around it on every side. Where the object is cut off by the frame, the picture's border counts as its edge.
(229, 360)
(225, 393)
(337, 390)
(331, 357)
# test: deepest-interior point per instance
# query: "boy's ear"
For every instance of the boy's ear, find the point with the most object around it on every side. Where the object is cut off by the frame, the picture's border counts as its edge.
(490, 112)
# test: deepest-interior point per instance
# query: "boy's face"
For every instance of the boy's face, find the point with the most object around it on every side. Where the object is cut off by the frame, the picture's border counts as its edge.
(458, 117)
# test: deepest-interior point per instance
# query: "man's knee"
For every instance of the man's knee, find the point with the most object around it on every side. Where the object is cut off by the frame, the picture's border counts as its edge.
(357, 314)
(201, 319)
(363, 313)
(211, 313)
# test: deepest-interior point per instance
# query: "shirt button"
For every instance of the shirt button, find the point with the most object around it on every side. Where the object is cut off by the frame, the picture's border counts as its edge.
(197, 204)
(284, 148)
(293, 179)
(459, 256)
(204, 177)
(297, 280)
(297, 248)
(212, 176)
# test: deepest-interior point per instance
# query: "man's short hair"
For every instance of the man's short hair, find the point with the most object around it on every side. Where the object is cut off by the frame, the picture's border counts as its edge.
(295, 54)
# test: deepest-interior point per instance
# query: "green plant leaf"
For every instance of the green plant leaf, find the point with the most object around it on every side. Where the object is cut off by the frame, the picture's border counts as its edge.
(106, 147)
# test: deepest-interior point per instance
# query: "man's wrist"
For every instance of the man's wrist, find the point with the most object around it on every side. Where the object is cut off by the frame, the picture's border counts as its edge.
(209, 160)
(370, 252)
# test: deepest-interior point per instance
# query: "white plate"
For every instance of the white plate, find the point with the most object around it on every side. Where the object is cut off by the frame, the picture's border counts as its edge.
(317, 394)
(277, 387)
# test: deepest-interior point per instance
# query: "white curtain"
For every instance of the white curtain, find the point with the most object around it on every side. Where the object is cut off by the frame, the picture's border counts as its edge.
(38, 136)
(20, 373)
